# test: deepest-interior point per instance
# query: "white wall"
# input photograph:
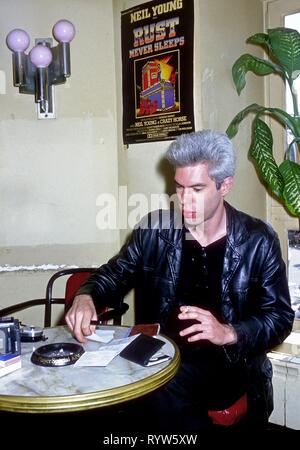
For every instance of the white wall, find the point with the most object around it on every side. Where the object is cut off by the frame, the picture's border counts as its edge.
(52, 171)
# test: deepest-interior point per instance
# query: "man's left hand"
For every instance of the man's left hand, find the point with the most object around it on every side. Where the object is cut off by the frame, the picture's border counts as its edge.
(208, 328)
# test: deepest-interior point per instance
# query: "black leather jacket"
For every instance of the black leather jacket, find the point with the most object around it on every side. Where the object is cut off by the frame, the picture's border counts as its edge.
(255, 295)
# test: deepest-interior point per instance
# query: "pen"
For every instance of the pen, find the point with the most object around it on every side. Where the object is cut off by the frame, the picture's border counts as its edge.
(95, 322)
(104, 317)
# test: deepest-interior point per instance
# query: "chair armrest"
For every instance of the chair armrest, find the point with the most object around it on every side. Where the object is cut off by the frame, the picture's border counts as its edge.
(20, 306)
(58, 301)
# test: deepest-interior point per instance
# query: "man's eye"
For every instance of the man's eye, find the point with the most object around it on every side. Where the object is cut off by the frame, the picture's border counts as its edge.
(197, 189)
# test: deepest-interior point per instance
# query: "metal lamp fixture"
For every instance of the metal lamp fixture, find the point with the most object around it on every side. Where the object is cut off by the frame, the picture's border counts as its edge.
(45, 66)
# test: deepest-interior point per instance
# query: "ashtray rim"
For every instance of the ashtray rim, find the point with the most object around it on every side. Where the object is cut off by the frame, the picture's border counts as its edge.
(40, 358)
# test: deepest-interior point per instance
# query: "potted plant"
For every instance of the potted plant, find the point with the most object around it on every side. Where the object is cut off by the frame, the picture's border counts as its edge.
(283, 48)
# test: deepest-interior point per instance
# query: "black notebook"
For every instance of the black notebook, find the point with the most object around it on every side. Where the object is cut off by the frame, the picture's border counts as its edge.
(141, 349)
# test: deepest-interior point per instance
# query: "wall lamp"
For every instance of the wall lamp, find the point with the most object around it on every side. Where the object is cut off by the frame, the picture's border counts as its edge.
(45, 66)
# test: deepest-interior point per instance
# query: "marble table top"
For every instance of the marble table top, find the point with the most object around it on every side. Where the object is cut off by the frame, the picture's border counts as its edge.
(69, 388)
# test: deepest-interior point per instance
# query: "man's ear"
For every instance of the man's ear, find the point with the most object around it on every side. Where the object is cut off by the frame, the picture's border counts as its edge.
(226, 186)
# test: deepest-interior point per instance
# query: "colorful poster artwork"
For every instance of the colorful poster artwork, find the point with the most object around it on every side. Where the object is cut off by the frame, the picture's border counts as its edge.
(157, 70)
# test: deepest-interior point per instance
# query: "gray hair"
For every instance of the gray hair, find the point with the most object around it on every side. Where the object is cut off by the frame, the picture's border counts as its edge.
(206, 147)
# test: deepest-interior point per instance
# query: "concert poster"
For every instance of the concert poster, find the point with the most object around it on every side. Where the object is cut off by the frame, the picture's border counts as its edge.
(157, 70)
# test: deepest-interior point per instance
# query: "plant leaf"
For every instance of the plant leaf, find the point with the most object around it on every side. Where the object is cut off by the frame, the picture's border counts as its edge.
(246, 63)
(261, 152)
(290, 172)
(260, 39)
(285, 119)
(282, 116)
(285, 47)
(233, 127)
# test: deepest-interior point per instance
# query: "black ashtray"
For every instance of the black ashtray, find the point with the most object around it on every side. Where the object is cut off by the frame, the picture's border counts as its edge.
(57, 355)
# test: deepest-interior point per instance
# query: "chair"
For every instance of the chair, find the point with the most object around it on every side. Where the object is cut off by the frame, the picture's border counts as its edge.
(75, 278)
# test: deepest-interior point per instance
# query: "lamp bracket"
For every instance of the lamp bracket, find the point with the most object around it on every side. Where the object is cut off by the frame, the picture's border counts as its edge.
(50, 113)
(45, 66)
(57, 73)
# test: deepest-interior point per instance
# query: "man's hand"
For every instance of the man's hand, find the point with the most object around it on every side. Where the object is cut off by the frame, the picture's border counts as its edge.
(208, 328)
(79, 316)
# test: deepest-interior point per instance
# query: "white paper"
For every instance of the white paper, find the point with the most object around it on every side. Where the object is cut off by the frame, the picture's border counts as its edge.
(95, 359)
(10, 368)
(101, 336)
(105, 354)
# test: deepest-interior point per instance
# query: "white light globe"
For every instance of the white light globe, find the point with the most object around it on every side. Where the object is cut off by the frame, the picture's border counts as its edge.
(17, 40)
(40, 56)
(64, 31)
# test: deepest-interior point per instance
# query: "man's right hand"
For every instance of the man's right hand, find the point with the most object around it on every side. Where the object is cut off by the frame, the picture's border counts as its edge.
(79, 316)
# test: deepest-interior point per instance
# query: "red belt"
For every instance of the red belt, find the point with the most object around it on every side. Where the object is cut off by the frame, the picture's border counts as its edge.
(231, 415)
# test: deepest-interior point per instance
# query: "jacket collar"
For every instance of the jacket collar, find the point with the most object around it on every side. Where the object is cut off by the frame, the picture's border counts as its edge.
(237, 233)
(172, 233)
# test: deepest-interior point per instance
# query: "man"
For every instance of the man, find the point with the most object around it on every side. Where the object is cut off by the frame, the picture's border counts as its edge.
(217, 285)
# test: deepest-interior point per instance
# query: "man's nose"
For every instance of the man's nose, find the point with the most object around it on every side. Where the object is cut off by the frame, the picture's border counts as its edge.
(186, 196)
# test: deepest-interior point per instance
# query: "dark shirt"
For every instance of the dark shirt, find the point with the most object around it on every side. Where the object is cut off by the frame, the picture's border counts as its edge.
(220, 382)
(199, 283)
(200, 274)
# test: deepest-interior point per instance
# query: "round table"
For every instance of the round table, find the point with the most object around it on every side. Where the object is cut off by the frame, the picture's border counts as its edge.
(37, 389)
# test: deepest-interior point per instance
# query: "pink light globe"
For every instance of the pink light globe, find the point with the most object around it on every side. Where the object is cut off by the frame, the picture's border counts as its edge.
(40, 56)
(17, 40)
(63, 31)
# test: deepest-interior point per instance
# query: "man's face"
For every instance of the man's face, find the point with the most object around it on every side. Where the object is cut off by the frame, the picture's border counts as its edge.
(198, 196)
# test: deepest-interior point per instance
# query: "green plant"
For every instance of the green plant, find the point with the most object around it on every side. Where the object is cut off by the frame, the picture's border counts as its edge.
(283, 48)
